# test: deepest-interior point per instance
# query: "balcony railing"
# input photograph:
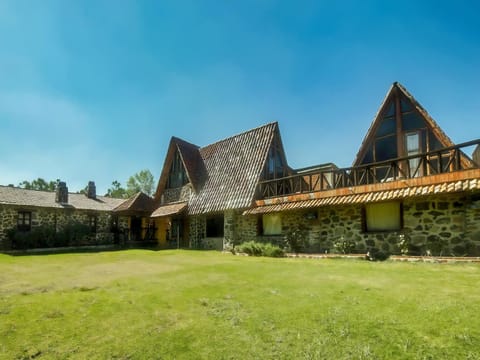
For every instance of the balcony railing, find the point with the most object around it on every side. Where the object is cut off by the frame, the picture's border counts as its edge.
(440, 161)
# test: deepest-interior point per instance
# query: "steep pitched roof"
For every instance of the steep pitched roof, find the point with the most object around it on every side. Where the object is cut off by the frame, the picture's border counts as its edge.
(234, 167)
(139, 202)
(46, 199)
(191, 159)
(397, 88)
(224, 174)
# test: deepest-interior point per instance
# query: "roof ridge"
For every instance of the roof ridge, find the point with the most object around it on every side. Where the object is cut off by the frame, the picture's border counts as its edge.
(273, 123)
(176, 139)
(20, 188)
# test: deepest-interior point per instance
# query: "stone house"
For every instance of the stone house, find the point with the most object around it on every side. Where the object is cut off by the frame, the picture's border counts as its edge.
(409, 188)
(409, 184)
(25, 210)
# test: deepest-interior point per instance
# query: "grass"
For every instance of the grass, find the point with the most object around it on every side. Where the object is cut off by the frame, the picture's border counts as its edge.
(140, 304)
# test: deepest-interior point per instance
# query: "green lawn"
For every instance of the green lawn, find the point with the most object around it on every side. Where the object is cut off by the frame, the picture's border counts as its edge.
(141, 304)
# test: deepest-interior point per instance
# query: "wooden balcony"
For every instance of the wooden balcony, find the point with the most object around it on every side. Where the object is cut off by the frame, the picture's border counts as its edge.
(445, 160)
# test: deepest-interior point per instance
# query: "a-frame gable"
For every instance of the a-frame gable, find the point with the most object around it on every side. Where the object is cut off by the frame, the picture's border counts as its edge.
(401, 127)
(182, 166)
(275, 165)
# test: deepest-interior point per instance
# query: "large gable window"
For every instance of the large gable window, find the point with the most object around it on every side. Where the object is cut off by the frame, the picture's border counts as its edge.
(24, 221)
(396, 124)
(275, 167)
(177, 176)
(272, 224)
(385, 216)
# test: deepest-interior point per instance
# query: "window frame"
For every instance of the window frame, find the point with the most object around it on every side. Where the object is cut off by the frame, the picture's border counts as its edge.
(93, 223)
(365, 221)
(22, 223)
(264, 228)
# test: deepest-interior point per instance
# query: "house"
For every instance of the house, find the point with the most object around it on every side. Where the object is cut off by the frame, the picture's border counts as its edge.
(409, 184)
(202, 191)
(25, 211)
(410, 188)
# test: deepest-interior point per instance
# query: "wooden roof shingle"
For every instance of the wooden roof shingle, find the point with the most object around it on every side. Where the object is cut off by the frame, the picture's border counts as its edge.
(46, 199)
(139, 202)
(225, 174)
(233, 168)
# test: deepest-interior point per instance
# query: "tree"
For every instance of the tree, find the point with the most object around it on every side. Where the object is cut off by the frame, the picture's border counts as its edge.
(39, 184)
(116, 190)
(141, 181)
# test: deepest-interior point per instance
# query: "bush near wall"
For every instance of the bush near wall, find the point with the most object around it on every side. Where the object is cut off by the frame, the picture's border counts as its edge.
(254, 248)
(73, 234)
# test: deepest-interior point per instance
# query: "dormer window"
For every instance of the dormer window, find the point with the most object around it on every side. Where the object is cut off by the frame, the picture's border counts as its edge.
(177, 176)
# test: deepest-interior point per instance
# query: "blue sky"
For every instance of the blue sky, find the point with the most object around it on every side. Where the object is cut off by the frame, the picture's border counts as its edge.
(93, 90)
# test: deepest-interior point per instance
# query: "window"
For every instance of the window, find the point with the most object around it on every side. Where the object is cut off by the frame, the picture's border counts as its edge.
(24, 221)
(383, 216)
(215, 226)
(272, 224)
(92, 222)
(275, 167)
(412, 147)
(177, 176)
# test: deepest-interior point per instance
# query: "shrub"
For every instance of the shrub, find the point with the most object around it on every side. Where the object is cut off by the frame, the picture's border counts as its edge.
(44, 236)
(403, 244)
(271, 250)
(296, 238)
(253, 248)
(344, 246)
(375, 254)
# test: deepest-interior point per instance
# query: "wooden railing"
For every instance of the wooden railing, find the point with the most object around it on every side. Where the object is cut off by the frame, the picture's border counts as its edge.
(433, 162)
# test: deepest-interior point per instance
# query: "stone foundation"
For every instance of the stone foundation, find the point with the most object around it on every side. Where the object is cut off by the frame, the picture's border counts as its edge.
(446, 225)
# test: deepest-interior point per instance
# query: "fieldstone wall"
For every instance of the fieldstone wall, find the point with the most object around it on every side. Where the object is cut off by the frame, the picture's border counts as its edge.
(472, 220)
(446, 225)
(57, 219)
(177, 194)
(197, 227)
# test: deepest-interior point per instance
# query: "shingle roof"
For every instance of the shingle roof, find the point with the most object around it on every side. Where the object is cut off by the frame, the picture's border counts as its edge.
(233, 168)
(376, 196)
(169, 209)
(46, 199)
(139, 202)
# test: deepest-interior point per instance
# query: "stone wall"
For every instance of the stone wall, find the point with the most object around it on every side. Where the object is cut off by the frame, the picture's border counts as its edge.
(177, 194)
(442, 225)
(57, 219)
(196, 233)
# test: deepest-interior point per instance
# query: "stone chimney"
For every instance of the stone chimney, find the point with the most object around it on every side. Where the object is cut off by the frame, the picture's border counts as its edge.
(61, 195)
(91, 190)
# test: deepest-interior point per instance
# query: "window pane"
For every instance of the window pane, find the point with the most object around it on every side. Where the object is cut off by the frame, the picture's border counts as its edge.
(272, 224)
(391, 109)
(435, 144)
(383, 216)
(388, 126)
(413, 143)
(386, 148)
(412, 121)
(405, 104)
(368, 158)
